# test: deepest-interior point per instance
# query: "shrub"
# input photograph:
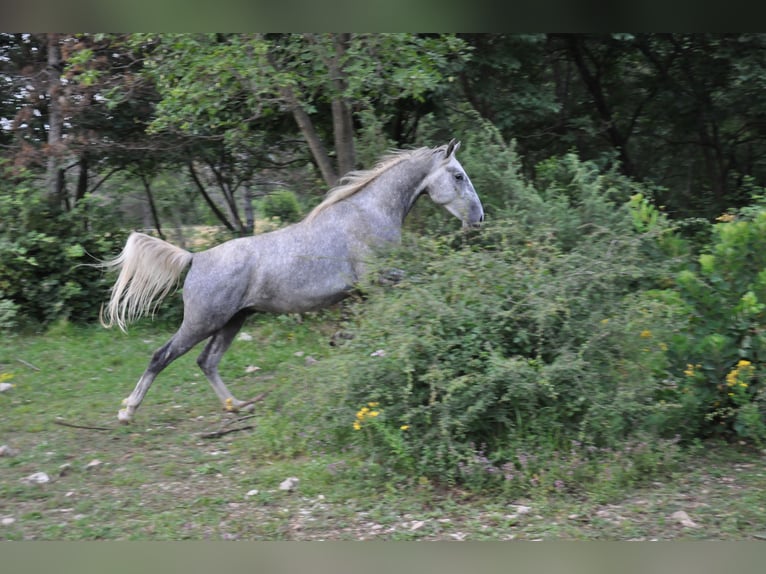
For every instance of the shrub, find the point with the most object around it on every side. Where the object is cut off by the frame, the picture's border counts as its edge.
(44, 271)
(282, 204)
(8, 314)
(721, 355)
(541, 329)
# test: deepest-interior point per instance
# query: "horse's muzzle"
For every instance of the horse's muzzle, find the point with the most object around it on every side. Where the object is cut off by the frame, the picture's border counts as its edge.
(476, 223)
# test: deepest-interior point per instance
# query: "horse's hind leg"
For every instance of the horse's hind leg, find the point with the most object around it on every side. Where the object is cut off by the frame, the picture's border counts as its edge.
(179, 344)
(212, 354)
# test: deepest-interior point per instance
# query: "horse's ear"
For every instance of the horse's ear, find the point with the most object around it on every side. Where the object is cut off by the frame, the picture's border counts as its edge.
(452, 147)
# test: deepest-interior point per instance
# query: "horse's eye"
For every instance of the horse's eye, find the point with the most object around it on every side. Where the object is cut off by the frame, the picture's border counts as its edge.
(459, 176)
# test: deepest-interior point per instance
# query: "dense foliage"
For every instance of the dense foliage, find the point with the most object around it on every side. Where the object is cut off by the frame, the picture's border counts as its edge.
(46, 262)
(576, 324)
(531, 331)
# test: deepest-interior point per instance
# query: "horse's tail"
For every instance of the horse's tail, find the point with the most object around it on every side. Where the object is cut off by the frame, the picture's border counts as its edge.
(149, 269)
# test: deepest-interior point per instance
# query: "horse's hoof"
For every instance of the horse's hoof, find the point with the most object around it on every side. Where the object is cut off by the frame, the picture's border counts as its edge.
(124, 417)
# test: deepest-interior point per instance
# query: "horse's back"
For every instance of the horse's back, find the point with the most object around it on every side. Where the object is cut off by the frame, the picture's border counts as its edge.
(293, 269)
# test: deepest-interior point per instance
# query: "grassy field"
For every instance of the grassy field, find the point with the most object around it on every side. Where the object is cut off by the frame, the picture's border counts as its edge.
(176, 473)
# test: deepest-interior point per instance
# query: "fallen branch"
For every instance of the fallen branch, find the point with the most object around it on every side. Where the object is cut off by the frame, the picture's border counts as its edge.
(255, 399)
(26, 364)
(222, 432)
(237, 420)
(74, 426)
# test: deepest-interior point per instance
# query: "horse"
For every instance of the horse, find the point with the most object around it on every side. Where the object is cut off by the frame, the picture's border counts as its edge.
(305, 266)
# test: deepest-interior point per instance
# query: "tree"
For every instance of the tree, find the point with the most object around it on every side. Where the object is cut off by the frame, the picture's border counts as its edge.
(225, 85)
(681, 111)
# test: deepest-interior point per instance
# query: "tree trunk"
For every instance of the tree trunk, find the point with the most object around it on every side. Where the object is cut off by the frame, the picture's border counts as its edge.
(218, 213)
(152, 206)
(313, 140)
(247, 201)
(228, 197)
(577, 49)
(342, 120)
(82, 179)
(54, 171)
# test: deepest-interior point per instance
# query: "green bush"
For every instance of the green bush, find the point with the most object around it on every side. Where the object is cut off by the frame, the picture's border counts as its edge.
(282, 204)
(542, 330)
(721, 355)
(44, 258)
(8, 314)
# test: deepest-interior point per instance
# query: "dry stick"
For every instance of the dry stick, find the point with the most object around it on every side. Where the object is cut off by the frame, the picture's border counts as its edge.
(65, 424)
(223, 431)
(237, 420)
(220, 433)
(30, 365)
(214, 434)
(255, 399)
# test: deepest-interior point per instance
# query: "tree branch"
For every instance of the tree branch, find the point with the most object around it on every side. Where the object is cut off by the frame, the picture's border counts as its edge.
(218, 213)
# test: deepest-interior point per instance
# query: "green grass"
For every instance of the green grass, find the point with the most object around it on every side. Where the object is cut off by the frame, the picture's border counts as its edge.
(159, 479)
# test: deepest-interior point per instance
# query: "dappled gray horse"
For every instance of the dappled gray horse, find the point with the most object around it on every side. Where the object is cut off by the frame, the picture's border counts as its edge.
(305, 266)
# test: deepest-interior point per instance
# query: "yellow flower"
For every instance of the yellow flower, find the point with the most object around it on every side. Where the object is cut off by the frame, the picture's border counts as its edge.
(357, 425)
(646, 333)
(404, 427)
(372, 404)
(743, 363)
(374, 413)
(726, 217)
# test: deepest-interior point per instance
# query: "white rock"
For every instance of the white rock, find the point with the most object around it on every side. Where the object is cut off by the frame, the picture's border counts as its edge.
(5, 387)
(7, 521)
(682, 518)
(252, 492)
(289, 483)
(5, 450)
(95, 463)
(245, 337)
(252, 369)
(37, 478)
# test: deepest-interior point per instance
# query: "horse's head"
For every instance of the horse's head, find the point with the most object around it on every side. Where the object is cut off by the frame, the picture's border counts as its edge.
(448, 185)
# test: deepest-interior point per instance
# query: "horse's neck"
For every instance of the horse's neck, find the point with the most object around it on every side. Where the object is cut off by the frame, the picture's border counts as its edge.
(394, 192)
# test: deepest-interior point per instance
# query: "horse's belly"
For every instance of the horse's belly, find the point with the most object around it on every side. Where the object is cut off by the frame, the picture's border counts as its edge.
(298, 293)
(297, 302)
